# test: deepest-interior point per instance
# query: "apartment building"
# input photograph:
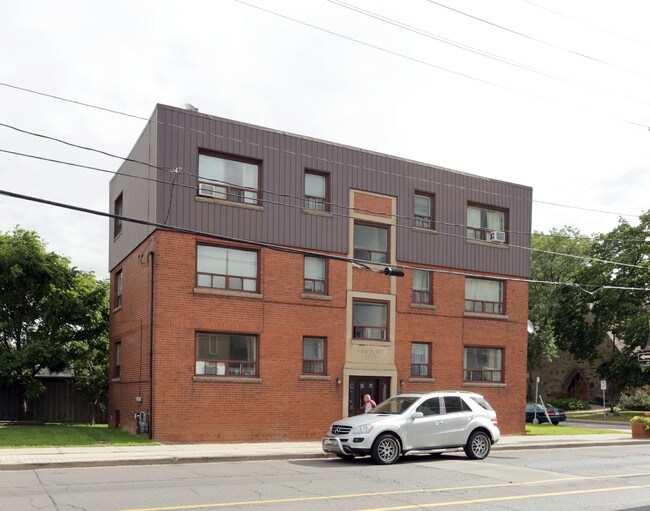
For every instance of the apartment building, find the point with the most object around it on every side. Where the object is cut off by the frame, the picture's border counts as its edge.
(260, 295)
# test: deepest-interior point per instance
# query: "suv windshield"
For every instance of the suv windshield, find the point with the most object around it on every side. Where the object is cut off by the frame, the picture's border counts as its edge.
(395, 405)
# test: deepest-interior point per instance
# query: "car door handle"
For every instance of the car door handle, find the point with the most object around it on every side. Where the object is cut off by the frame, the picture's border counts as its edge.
(438, 423)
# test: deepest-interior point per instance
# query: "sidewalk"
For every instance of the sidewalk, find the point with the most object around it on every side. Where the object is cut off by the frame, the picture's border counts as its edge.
(57, 457)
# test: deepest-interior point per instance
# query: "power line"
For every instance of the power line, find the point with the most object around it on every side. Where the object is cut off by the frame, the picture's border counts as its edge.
(264, 244)
(558, 13)
(536, 39)
(492, 56)
(441, 68)
(178, 169)
(268, 192)
(72, 101)
(428, 181)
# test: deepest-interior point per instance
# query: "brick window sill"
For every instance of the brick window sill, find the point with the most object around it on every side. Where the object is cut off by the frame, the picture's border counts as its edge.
(225, 379)
(226, 292)
(315, 296)
(485, 384)
(483, 315)
(424, 306)
(314, 377)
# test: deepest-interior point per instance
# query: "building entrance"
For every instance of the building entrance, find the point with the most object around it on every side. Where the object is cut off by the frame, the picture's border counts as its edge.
(377, 387)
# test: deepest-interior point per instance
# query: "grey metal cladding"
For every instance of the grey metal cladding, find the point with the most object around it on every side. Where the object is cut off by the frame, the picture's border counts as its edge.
(281, 220)
(138, 195)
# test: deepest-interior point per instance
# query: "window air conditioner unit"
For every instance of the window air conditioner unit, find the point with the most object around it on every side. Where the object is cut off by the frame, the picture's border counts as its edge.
(497, 237)
(207, 189)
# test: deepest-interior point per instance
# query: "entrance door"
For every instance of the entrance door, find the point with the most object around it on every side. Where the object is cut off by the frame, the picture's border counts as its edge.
(378, 388)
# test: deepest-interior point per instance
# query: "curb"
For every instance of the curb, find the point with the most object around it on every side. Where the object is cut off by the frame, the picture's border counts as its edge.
(175, 460)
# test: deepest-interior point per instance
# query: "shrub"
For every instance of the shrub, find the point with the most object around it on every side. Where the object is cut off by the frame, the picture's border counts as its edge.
(568, 403)
(643, 419)
(635, 399)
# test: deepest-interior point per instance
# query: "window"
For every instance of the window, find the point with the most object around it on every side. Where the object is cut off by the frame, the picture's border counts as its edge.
(315, 268)
(420, 359)
(226, 354)
(313, 355)
(118, 289)
(117, 222)
(454, 404)
(371, 243)
(226, 268)
(430, 407)
(423, 211)
(421, 286)
(369, 321)
(228, 178)
(482, 220)
(118, 359)
(316, 191)
(483, 364)
(482, 295)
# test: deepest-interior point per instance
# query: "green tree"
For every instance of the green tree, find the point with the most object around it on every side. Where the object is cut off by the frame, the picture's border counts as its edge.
(90, 356)
(550, 264)
(602, 297)
(619, 309)
(48, 309)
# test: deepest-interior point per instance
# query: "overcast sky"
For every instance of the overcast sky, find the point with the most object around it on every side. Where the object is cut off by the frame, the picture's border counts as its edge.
(545, 93)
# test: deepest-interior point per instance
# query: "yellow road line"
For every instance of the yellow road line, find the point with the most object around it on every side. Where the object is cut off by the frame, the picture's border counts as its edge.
(397, 492)
(513, 497)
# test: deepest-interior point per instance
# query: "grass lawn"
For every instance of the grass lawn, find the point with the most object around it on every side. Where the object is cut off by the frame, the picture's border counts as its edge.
(66, 435)
(599, 416)
(562, 429)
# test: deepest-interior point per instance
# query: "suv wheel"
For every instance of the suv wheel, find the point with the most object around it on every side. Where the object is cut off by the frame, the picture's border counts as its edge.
(478, 445)
(385, 450)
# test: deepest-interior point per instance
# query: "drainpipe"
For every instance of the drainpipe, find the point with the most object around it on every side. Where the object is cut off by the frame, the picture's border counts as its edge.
(151, 348)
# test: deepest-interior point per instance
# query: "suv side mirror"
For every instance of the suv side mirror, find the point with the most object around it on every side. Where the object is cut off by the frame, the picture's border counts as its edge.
(417, 415)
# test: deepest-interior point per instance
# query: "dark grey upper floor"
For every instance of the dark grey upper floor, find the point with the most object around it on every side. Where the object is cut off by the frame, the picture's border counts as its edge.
(166, 161)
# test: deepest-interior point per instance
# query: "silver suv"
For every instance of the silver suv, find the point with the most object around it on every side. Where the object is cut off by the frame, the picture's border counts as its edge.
(434, 422)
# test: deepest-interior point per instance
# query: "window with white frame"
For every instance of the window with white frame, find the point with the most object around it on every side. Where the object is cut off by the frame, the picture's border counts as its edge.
(421, 359)
(316, 185)
(371, 243)
(423, 211)
(482, 220)
(315, 275)
(313, 355)
(483, 364)
(221, 354)
(421, 286)
(226, 268)
(229, 178)
(484, 295)
(370, 320)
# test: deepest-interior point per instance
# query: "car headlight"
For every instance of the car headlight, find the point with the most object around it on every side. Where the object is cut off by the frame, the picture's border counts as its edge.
(365, 428)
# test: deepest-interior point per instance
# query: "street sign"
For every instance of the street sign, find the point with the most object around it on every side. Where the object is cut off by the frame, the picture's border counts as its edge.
(603, 384)
(644, 355)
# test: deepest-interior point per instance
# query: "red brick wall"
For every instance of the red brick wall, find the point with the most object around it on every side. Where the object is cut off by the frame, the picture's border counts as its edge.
(283, 405)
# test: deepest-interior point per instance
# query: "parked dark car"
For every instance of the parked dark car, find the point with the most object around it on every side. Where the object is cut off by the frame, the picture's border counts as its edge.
(555, 414)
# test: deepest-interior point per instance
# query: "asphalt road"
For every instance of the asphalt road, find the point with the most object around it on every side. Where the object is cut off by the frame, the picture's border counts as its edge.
(596, 478)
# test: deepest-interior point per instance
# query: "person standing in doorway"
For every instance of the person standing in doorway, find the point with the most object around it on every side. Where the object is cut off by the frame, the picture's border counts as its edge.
(369, 403)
